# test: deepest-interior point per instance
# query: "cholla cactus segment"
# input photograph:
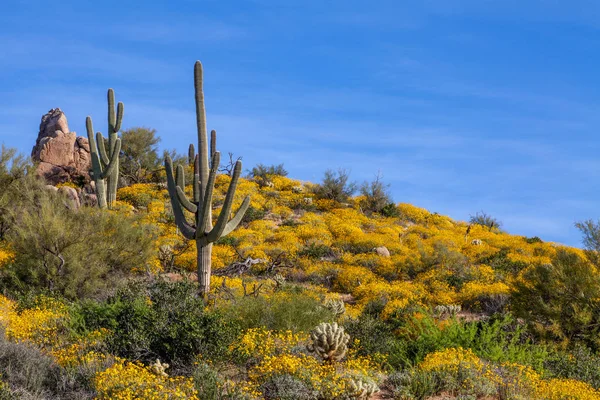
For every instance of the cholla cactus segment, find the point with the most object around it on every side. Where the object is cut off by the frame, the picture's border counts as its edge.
(329, 341)
(337, 307)
(159, 368)
(361, 390)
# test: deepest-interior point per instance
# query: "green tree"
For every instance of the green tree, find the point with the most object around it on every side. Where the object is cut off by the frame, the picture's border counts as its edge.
(591, 239)
(139, 159)
(561, 300)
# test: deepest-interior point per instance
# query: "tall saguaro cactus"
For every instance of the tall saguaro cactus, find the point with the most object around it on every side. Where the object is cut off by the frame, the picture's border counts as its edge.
(202, 229)
(105, 165)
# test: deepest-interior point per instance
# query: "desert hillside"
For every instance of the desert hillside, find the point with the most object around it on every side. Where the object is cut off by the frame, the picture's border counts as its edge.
(310, 298)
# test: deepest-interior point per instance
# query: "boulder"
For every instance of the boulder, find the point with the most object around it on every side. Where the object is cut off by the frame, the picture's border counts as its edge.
(71, 195)
(62, 156)
(382, 251)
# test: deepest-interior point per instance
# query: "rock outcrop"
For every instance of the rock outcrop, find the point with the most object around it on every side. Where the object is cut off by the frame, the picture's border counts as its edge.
(61, 154)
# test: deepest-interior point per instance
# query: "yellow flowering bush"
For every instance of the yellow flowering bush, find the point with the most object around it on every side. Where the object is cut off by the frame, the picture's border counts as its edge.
(38, 325)
(128, 381)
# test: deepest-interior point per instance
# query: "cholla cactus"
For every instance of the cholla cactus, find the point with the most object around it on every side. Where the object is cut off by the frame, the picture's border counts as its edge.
(337, 307)
(329, 341)
(449, 309)
(279, 280)
(361, 390)
(159, 368)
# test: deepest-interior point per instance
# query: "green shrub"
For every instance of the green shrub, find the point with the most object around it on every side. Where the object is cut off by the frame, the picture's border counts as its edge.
(288, 309)
(376, 197)
(578, 363)
(286, 387)
(72, 253)
(335, 186)
(33, 375)
(164, 320)
(483, 219)
(316, 251)
(560, 300)
(390, 210)
(412, 384)
(253, 214)
(407, 340)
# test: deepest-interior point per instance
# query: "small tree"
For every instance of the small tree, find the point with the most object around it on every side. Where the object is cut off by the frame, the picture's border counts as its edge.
(262, 173)
(336, 186)
(591, 238)
(483, 219)
(72, 252)
(139, 158)
(376, 196)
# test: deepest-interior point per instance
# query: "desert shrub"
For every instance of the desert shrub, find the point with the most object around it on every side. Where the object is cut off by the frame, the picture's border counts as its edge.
(534, 239)
(253, 214)
(28, 373)
(286, 387)
(406, 342)
(390, 210)
(591, 239)
(561, 300)
(139, 161)
(263, 171)
(75, 253)
(207, 382)
(287, 309)
(486, 220)
(164, 320)
(412, 384)
(262, 174)
(375, 196)
(577, 363)
(336, 186)
(501, 262)
(315, 250)
(13, 168)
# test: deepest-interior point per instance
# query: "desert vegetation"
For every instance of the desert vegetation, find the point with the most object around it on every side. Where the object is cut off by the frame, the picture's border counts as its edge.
(326, 290)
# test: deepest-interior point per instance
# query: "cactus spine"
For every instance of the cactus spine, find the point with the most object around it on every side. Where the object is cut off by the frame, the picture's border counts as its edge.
(202, 230)
(105, 165)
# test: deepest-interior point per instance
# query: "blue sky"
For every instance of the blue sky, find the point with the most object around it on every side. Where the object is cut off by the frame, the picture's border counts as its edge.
(463, 105)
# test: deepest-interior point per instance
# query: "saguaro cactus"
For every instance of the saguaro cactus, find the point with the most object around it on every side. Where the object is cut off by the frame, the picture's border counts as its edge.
(202, 229)
(105, 165)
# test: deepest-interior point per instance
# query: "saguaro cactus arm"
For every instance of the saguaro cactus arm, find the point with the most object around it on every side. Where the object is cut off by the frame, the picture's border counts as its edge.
(114, 121)
(102, 168)
(208, 195)
(187, 230)
(239, 215)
